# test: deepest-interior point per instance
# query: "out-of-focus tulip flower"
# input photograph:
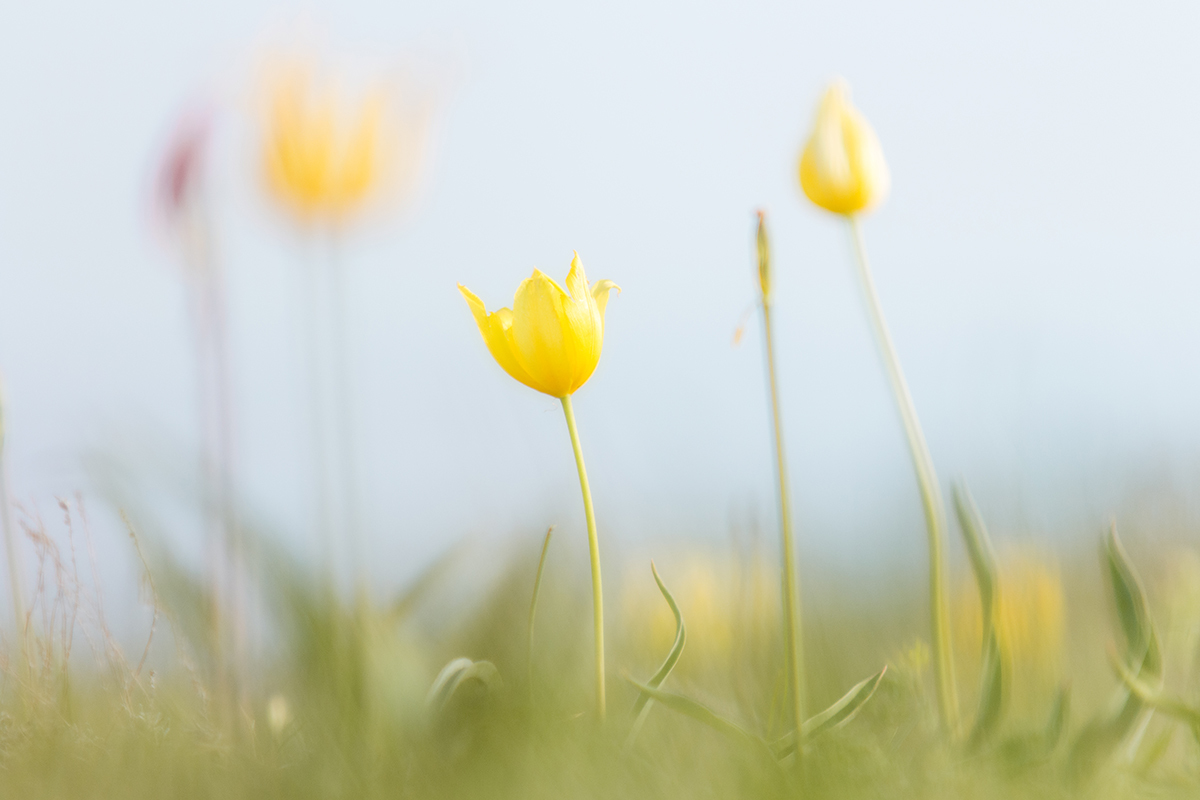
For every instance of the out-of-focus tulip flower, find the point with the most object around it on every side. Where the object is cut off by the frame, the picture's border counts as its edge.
(1029, 615)
(1030, 623)
(179, 175)
(842, 167)
(731, 607)
(323, 158)
(549, 340)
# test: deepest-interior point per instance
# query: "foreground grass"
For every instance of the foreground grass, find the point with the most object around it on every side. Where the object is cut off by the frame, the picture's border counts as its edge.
(342, 707)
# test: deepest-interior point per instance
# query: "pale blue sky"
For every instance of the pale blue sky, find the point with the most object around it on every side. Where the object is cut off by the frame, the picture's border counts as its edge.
(1037, 259)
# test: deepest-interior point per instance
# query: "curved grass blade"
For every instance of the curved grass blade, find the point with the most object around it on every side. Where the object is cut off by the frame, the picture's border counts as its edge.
(983, 565)
(1058, 719)
(455, 674)
(1143, 660)
(837, 715)
(1172, 707)
(641, 707)
(1030, 748)
(705, 715)
(537, 587)
(1132, 610)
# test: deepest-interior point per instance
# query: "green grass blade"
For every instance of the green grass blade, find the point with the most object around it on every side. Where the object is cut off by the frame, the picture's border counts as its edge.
(1059, 716)
(837, 715)
(983, 565)
(706, 716)
(1147, 694)
(1133, 612)
(979, 550)
(537, 587)
(1142, 660)
(641, 707)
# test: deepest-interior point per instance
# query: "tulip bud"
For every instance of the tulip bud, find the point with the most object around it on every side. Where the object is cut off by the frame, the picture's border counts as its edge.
(842, 168)
(764, 259)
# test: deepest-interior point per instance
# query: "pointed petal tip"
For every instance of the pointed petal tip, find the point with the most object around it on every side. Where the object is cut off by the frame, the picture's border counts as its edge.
(471, 296)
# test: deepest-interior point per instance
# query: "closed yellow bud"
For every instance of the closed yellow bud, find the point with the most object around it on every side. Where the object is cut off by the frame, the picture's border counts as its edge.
(549, 340)
(842, 168)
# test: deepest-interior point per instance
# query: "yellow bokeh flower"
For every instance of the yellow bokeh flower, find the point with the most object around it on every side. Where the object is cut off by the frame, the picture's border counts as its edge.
(730, 606)
(549, 340)
(322, 157)
(842, 167)
(1030, 623)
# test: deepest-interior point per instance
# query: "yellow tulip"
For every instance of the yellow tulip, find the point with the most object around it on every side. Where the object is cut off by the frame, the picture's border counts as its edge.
(842, 167)
(320, 160)
(549, 340)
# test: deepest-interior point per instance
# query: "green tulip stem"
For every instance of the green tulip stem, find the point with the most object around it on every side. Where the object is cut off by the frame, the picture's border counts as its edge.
(931, 498)
(594, 550)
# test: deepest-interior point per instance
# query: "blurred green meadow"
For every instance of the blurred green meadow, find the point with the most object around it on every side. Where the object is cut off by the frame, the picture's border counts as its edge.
(341, 705)
(983, 663)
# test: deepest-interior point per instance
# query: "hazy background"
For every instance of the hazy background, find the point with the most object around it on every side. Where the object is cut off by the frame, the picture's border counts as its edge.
(1037, 260)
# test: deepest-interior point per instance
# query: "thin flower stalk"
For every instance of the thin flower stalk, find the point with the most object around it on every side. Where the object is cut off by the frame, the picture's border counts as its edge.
(182, 203)
(842, 170)
(931, 496)
(594, 556)
(792, 628)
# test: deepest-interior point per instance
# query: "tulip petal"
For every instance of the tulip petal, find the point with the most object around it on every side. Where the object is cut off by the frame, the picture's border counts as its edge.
(586, 323)
(496, 329)
(544, 343)
(600, 294)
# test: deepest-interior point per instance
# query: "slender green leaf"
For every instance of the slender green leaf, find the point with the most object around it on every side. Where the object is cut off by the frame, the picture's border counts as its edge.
(1132, 610)
(1028, 748)
(983, 564)
(837, 715)
(676, 647)
(705, 715)
(1172, 707)
(1142, 660)
(641, 707)
(537, 587)
(1059, 716)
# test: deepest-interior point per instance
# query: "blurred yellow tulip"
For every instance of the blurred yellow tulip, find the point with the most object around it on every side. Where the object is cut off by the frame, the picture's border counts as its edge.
(842, 167)
(322, 160)
(730, 606)
(549, 340)
(1030, 622)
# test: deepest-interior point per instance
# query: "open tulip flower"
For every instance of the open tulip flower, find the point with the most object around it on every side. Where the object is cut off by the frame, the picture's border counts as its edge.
(550, 340)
